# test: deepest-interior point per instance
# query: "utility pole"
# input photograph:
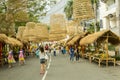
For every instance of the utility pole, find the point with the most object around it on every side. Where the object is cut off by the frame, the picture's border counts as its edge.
(118, 18)
(118, 14)
(95, 13)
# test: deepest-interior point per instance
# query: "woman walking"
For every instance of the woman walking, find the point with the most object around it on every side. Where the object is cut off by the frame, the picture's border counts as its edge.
(42, 60)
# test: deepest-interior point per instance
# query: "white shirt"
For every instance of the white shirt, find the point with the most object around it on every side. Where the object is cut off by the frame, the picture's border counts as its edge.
(42, 55)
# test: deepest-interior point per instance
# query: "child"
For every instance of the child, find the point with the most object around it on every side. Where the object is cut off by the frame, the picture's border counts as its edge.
(11, 59)
(21, 57)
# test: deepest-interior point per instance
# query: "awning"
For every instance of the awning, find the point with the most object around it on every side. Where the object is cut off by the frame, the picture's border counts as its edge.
(3, 37)
(13, 42)
(76, 38)
(100, 37)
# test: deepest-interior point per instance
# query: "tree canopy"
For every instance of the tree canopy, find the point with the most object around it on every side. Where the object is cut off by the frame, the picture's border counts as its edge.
(14, 13)
(69, 9)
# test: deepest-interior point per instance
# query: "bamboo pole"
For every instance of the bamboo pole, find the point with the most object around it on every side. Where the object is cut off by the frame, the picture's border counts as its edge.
(107, 51)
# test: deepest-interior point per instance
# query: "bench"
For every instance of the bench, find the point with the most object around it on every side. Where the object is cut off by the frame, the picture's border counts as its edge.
(106, 60)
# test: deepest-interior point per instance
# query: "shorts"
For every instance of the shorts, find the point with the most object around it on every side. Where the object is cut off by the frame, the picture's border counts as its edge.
(42, 61)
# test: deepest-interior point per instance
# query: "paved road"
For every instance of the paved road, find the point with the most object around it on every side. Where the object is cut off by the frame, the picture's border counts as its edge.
(30, 71)
(61, 69)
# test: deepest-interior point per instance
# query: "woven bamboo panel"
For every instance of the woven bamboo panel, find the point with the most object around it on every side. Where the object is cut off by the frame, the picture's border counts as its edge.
(57, 37)
(82, 9)
(71, 27)
(57, 23)
(27, 33)
(41, 32)
(30, 25)
(20, 32)
(35, 32)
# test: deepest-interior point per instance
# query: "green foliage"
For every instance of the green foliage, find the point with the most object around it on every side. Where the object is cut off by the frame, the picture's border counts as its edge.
(21, 16)
(69, 9)
(111, 47)
(3, 7)
(36, 10)
(91, 28)
(117, 57)
(48, 27)
(17, 24)
(95, 2)
(12, 11)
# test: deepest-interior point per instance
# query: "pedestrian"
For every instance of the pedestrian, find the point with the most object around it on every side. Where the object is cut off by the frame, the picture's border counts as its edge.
(11, 59)
(54, 51)
(71, 53)
(21, 57)
(64, 50)
(46, 48)
(77, 55)
(37, 52)
(42, 60)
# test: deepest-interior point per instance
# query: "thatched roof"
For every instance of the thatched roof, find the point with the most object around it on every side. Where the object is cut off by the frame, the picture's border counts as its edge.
(13, 42)
(100, 37)
(3, 37)
(76, 38)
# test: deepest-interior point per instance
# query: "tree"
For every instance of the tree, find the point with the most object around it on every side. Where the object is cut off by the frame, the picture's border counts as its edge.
(12, 11)
(69, 9)
(5, 26)
(36, 9)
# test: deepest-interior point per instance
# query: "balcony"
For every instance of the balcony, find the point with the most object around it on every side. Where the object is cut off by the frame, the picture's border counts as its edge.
(111, 6)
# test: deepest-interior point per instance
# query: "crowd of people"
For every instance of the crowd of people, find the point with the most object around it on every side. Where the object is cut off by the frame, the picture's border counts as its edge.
(43, 52)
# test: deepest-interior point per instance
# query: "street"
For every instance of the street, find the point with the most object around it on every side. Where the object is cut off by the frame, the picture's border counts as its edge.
(60, 68)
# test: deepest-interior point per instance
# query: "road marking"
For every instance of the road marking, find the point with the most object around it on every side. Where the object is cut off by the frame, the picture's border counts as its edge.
(48, 66)
(44, 75)
(47, 69)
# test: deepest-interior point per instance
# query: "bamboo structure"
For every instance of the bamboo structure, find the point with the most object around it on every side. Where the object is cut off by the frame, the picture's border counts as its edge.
(57, 23)
(29, 31)
(41, 32)
(57, 27)
(13, 42)
(106, 36)
(82, 9)
(100, 37)
(19, 34)
(71, 28)
(76, 38)
(3, 37)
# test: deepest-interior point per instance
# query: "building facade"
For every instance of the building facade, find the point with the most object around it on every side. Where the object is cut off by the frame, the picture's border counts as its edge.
(109, 15)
